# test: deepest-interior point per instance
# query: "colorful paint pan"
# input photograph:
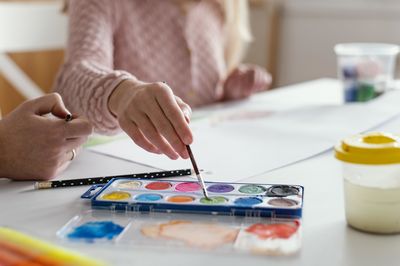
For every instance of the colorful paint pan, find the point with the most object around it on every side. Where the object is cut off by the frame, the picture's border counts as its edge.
(148, 197)
(188, 187)
(236, 199)
(180, 199)
(129, 184)
(248, 201)
(214, 200)
(252, 189)
(220, 188)
(282, 202)
(117, 195)
(282, 191)
(158, 185)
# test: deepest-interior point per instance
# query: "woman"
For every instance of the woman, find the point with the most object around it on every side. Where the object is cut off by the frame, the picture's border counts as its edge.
(33, 146)
(139, 64)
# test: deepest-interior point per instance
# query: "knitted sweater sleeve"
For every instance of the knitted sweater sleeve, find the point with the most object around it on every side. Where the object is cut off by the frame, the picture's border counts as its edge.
(87, 77)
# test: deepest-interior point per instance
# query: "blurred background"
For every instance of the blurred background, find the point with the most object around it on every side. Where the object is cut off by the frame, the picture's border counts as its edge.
(293, 39)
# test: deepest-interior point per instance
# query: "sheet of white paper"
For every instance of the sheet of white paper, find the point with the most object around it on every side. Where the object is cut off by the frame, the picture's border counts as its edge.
(260, 137)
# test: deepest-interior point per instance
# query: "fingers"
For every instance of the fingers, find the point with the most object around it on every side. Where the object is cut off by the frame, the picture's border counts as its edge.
(185, 108)
(165, 128)
(248, 83)
(63, 166)
(59, 164)
(137, 136)
(51, 103)
(172, 111)
(234, 84)
(246, 80)
(74, 143)
(72, 153)
(68, 157)
(77, 128)
(266, 80)
(262, 79)
(156, 120)
(151, 133)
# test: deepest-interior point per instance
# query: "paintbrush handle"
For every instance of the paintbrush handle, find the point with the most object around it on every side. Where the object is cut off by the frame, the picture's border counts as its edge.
(196, 170)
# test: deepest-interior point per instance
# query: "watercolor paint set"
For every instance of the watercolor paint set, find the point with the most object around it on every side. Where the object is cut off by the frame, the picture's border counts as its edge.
(237, 217)
(234, 199)
(187, 232)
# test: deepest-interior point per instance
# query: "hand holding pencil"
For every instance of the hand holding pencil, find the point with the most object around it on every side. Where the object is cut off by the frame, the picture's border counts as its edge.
(36, 146)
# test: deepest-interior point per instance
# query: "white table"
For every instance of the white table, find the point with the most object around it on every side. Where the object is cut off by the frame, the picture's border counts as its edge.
(327, 240)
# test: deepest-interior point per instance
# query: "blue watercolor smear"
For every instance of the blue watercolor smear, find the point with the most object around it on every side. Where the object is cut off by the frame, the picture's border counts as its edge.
(247, 201)
(148, 197)
(96, 230)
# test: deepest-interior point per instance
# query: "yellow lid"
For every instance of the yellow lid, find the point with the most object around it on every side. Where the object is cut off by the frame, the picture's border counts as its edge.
(370, 148)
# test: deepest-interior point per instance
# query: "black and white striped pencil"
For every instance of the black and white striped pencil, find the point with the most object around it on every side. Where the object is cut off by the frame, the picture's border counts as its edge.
(106, 179)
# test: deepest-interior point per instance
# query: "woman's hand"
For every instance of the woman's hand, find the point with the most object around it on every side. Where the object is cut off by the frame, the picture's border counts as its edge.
(153, 117)
(33, 146)
(244, 81)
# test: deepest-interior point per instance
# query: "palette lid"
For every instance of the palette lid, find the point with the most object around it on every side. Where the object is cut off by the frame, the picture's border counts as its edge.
(369, 148)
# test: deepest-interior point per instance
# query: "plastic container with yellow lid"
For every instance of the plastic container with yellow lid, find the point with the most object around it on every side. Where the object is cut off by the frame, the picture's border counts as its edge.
(371, 171)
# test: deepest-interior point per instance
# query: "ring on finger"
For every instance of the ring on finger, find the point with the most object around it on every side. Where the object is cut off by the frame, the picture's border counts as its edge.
(73, 154)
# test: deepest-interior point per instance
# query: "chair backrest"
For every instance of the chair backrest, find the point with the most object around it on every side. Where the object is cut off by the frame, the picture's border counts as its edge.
(29, 26)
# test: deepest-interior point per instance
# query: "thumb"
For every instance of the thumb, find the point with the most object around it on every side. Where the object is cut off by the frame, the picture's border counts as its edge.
(51, 103)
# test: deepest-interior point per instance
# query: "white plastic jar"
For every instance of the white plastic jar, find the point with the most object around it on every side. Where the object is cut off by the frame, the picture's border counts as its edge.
(371, 172)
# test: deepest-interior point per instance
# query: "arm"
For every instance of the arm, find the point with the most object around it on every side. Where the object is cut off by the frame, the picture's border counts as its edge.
(87, 79)
(148, 112)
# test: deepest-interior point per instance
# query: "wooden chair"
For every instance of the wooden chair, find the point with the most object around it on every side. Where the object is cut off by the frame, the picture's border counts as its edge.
(273, 15)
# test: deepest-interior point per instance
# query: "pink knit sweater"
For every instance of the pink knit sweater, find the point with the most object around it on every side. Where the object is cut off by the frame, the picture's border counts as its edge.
(151, 40)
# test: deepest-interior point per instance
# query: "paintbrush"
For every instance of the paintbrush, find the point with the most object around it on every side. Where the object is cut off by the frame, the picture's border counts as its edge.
(196, 170)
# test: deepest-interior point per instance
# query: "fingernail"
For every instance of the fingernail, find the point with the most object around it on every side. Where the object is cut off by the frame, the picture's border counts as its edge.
(155, 150)
(173, 156)
(187, 140)
(185, 154)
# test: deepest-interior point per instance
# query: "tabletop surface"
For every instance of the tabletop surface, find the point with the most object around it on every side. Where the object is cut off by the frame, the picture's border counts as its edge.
(326, 239)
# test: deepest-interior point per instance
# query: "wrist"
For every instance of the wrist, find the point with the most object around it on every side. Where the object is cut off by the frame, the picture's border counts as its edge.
(120, 95)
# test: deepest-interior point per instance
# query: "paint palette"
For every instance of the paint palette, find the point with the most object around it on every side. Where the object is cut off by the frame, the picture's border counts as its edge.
(198, 232)
(235, 199)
